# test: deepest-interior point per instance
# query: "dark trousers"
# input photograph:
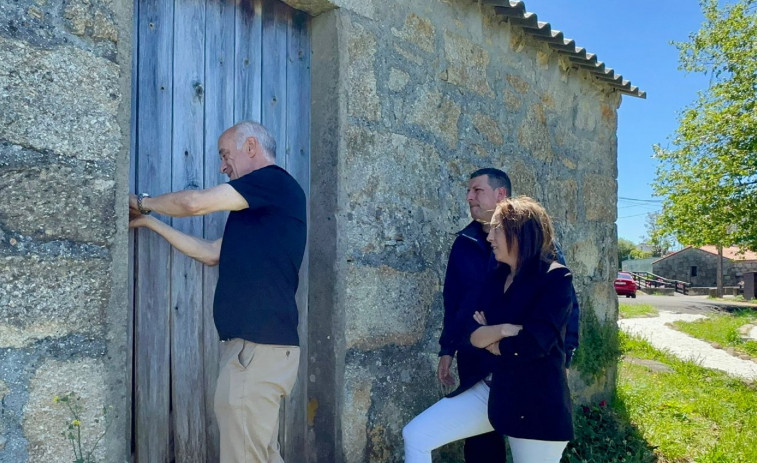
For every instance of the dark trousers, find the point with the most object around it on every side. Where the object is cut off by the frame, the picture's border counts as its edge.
(485, 448)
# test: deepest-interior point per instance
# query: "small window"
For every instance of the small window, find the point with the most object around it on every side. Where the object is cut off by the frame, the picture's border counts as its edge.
(693, 270)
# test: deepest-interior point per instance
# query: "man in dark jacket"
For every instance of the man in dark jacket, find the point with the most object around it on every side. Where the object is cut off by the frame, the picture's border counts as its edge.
(469, 260)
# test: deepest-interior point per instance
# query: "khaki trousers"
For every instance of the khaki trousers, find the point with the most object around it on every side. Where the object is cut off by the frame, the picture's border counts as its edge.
(252, 379)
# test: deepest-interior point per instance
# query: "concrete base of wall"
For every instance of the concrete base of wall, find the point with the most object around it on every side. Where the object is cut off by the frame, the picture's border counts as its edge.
(660, 291)
(699, 291)
(713, 292)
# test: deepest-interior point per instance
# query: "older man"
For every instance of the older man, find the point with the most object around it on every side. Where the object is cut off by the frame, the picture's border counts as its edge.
(469, 260)
(254, 310)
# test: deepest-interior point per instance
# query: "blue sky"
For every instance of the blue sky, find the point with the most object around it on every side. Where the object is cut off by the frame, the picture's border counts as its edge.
(634, 39)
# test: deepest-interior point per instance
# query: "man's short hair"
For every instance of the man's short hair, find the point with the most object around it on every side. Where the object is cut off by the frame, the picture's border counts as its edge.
(246, 129)
(495, 178)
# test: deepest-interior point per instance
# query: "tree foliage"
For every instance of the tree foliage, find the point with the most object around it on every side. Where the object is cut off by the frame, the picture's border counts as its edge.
(625, 248)
(659, 238)
(708, 178)
(639, 254)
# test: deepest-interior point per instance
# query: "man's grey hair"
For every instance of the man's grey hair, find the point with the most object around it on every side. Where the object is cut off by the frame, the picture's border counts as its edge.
(246, 129)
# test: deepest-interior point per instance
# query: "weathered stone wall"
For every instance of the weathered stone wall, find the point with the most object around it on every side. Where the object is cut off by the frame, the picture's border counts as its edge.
(741, 267)
(421, 94)
(64, 72)
(678, 267)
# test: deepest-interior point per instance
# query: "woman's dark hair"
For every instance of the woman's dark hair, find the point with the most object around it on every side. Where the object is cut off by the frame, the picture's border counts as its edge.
(526, 222)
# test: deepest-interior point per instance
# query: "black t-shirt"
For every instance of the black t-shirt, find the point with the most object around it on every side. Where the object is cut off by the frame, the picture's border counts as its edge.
(260, 260)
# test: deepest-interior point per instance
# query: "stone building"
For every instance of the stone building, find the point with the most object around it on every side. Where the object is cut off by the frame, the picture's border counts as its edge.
(401, 101)
(699, 266)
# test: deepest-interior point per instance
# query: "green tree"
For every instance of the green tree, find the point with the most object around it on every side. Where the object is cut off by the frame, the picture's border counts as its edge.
(708, 178)
(658, 237)
(639, 254)
(625, 247)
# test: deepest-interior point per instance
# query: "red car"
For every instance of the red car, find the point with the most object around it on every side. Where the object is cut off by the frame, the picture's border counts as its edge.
(624, 285)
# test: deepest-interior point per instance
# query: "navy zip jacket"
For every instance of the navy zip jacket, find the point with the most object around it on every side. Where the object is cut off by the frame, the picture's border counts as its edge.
(469, 260)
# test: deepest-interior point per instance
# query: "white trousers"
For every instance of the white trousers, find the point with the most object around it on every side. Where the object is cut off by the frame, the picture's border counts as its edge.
(464, 416)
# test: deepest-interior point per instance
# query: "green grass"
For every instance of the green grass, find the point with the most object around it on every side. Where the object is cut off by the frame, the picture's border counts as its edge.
(739, 298)
(723, 329)
(689, 414)
(636, 311)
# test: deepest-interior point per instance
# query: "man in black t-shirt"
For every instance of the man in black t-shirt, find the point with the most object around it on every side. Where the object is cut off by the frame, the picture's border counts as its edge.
(254, 310)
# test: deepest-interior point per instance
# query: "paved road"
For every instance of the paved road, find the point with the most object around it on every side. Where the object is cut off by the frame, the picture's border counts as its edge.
(685, 304)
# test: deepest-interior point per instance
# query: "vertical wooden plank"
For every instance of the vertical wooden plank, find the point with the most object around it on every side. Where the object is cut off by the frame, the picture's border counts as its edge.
(134, 117)
(274, 84)
(248, 62)
(273, 116)
(187, 376)
(152, 303)
(296, 155)
(219, 115)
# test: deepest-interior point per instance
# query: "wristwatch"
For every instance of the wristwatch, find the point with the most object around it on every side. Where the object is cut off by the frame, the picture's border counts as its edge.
(140, 197)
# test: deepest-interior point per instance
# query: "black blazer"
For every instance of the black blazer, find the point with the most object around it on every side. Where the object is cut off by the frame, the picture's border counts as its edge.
(529, 395)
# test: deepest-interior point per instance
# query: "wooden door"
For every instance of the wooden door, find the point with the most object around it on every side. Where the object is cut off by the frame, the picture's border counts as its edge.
(200, 66)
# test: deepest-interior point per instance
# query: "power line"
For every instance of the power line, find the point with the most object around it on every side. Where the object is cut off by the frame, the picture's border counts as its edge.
(657, 201)
(653, 206)
(635, 215)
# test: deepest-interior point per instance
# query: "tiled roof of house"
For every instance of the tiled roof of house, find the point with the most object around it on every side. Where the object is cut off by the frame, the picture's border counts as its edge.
(515, 12)
(732, 253)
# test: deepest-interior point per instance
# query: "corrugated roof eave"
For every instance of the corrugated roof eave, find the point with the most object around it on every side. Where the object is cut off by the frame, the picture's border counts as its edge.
(515, 12)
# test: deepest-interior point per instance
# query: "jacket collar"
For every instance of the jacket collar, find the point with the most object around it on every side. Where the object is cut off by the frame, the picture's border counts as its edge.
(475, 231)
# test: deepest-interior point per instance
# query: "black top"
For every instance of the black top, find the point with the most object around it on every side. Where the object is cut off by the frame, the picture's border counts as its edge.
(529, 395)
(261, 253)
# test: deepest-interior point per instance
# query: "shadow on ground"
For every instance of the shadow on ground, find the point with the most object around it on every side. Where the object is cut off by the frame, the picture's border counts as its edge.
(604, 433)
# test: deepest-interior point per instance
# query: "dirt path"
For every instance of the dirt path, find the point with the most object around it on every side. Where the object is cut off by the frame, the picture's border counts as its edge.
(681, 345)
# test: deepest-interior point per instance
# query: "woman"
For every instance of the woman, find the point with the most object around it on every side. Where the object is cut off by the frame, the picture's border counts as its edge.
(523, 392)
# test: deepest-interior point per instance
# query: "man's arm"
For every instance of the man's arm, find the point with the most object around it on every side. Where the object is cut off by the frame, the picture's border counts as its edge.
(207, 252)
(193, 202)
(572, 332)
(452, 293)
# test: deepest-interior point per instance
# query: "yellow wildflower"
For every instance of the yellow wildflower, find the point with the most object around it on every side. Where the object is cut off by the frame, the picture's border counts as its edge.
(56, 399)
(76, 423)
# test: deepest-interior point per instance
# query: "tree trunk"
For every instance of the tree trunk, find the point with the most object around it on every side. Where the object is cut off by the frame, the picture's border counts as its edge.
(720, 271)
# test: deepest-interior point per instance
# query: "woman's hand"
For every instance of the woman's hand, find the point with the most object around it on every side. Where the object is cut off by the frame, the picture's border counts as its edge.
(479, 317)
(508, 329)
